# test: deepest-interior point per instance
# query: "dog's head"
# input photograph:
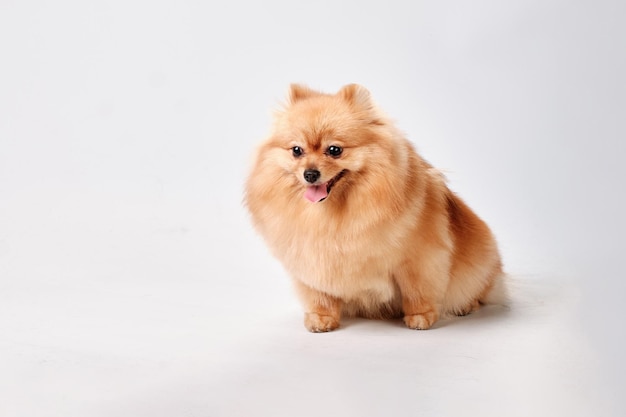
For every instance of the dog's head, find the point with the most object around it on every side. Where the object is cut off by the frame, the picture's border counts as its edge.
(326, 141)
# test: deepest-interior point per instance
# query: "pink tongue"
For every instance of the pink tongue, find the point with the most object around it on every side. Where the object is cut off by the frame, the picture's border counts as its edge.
(315, 193)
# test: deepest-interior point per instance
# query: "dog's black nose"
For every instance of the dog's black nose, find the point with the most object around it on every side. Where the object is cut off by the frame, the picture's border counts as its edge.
(311, 175)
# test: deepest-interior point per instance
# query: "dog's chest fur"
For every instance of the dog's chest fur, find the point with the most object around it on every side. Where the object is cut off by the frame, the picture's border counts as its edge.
(354, 264)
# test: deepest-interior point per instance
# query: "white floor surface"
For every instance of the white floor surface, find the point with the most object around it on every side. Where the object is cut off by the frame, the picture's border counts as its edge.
(119, 316)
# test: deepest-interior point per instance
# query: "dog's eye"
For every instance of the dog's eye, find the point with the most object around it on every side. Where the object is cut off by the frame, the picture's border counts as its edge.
(334, 151)
(297, 151)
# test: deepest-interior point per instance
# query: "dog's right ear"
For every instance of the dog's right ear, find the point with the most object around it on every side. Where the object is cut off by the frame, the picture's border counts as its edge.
(299, 92)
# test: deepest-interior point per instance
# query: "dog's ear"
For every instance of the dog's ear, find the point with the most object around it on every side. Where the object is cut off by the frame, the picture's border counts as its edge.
(356, 95)
(299, 92)
(359, 97)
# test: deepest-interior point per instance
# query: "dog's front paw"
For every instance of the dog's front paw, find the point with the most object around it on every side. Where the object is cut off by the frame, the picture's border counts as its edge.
(420, 321)
(318, 323)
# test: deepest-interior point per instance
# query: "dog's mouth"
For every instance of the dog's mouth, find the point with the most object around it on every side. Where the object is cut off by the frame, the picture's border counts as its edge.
(318, 193)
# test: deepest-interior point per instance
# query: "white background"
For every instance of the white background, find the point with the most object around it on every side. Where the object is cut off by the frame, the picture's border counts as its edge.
(131, 283)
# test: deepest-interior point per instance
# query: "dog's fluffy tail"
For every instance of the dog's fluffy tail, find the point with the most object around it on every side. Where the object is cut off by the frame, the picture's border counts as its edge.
(498, 294)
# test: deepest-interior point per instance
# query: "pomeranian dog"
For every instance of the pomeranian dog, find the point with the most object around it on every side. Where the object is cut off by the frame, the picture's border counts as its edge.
(364, 225)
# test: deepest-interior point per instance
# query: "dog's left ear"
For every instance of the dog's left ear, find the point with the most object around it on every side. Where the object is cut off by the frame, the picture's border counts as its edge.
(356, 95)
(360, 99)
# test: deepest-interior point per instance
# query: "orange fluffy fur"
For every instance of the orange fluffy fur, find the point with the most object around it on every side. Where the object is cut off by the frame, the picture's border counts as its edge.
(389, 240)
